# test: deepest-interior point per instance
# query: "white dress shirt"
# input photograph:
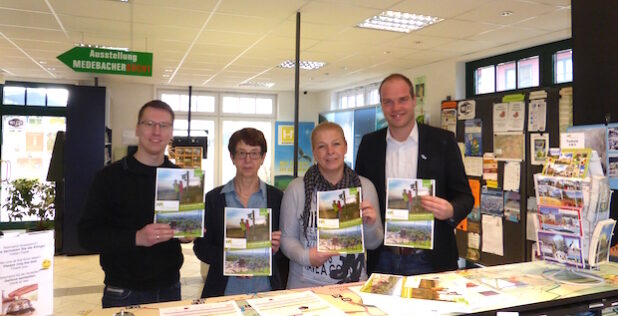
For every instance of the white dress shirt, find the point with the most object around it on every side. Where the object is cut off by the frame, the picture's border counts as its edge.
(401, 157)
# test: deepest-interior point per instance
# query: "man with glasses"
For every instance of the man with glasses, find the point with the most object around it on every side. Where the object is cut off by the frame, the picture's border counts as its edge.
(140, 259)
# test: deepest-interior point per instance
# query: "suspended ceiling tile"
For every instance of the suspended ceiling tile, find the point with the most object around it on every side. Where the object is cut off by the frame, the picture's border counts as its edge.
(506, 35)
(43, 20)
(419, 42)
(553, 21)
(268, 8)
(366, 36)
(440, 8)
(336, 13)
(463, 46)
(491, 12)
(456, 29)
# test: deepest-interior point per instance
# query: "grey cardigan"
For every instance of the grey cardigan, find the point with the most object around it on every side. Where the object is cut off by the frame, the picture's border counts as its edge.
(294, 243)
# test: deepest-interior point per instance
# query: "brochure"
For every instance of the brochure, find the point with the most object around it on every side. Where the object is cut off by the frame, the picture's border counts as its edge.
(407, 224)
(512, 206)
(560, 192)
(560, 248)
(299, 303)
(179, 201)
(247, 250)
(572, 163)
(340, 225)
(433, 294)
(492, 201)
(26, 273)
(227, 308)
(601, 242)
(473, 137)
(560, 220)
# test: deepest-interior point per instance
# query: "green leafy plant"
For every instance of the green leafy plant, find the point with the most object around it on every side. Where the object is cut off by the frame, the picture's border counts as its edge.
(29, 197)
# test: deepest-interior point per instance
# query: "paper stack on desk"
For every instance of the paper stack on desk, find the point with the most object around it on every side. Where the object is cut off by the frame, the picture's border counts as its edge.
(429, 294)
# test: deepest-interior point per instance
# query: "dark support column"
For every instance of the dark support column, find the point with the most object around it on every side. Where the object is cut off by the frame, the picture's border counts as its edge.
(296, 92)
(595, 67)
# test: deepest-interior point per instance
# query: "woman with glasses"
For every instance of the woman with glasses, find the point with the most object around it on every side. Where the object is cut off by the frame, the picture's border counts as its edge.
(247, 150)
(308, 267)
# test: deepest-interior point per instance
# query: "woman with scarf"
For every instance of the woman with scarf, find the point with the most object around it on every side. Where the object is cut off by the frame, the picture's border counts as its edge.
(308, 267)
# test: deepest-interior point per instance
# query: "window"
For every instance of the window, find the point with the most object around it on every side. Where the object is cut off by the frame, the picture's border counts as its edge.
(358, 97)
(200, 102)
(35, 96)
(262, 105)
(543, 65)
(485, 79)
(505, 73)
(563, 66)
(528, 70)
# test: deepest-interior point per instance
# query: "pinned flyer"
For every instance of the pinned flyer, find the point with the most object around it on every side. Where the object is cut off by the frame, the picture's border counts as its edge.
(26, 273)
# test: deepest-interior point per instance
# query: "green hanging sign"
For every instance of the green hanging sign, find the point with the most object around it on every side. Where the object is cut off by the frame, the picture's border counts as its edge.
(107, 61)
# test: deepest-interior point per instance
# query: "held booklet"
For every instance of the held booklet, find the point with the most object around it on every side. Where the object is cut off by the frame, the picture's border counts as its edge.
(340, 225)
(407, 224)
(247, 250)
(179, 201)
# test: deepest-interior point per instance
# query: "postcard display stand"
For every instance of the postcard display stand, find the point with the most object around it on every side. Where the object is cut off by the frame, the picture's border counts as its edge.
(189, 157)
(517, 249)
(573, 229)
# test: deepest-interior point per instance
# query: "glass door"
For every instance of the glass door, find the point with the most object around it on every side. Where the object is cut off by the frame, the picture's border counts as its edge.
(27, 144)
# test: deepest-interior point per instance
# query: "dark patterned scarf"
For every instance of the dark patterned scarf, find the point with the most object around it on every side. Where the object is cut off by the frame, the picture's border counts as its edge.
(314, 182)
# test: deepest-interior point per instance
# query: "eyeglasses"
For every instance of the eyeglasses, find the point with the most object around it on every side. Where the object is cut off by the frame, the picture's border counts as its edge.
(152, 124)
(255, 155)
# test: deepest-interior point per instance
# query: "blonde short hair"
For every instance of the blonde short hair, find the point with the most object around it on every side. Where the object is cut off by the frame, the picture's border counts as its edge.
(326, 126)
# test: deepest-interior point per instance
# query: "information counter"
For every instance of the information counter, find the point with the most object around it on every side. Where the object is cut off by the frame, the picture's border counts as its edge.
(530, 286)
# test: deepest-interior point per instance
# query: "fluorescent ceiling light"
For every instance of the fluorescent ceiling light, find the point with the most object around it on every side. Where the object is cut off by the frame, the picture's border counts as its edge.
(257, 84)
(304, 64)
(126, 49)
(399, 21)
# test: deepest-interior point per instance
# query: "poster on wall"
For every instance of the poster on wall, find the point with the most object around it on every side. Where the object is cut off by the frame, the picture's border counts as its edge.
(419, 90)
(284, 151)
(448, 116)
(466, 109)
(26, 276)
(539, 147)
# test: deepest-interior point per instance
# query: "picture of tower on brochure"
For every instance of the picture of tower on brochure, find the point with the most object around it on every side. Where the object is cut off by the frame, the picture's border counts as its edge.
(561, 248)
(407, 224)
(340, 225)
(179, 201)
(247, 250)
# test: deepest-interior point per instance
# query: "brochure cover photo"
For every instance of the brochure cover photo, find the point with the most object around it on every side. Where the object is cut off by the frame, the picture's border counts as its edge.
(340, 225)
(561, 248)
(247, 242)
(179, 201)
(407, 224)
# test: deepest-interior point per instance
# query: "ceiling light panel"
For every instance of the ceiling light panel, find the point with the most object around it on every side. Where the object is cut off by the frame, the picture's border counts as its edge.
(304, 64)
(396, 21)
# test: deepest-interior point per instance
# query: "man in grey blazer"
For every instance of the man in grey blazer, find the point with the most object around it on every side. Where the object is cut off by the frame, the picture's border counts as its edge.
(406, 149)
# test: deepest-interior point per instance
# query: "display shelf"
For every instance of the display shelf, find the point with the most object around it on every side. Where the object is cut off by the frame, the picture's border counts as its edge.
(187, 156)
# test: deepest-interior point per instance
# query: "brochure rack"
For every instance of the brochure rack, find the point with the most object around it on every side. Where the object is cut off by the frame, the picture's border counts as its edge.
(189, 157)
(573, 199)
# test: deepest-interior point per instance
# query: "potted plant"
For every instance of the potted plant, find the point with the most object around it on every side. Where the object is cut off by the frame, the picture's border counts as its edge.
(29, 197)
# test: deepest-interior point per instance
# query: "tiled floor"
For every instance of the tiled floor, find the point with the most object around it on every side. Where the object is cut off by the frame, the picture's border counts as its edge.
(78, 282)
